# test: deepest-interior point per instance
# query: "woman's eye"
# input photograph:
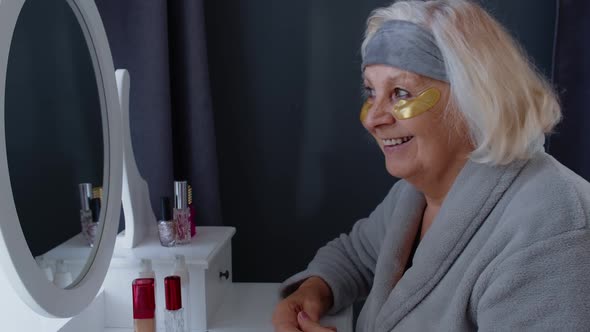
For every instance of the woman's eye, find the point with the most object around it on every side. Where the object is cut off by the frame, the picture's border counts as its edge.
(368, 92)
(401, 93)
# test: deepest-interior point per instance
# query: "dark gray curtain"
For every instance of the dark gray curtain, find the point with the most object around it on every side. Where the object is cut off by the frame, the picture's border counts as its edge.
(572, 77)
(162, 44)
(296, 166)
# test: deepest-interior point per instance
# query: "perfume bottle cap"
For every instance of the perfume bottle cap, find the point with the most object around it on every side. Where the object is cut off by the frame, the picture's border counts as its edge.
(173, 293)
(145, 269)
(180, 194)
(144, 299)
(179, 262)
(85, 195)
(60, 266)
(95, 208)
(165, 209)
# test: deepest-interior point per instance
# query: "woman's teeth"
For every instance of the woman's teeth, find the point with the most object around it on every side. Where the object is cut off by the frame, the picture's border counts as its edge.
(396, 141)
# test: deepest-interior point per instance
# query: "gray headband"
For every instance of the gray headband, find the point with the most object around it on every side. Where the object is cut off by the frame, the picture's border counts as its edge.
(407, 46)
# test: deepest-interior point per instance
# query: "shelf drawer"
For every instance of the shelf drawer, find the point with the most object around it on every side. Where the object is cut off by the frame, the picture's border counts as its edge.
(218, 278)
(209, 287)
(210, 275)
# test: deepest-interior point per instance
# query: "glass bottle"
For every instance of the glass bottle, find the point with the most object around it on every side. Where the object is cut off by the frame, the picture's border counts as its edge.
(174, 313)
(181, 270)
(85, 213)
(92, 226)
(181, 213)
(144, 305)
(166, 225)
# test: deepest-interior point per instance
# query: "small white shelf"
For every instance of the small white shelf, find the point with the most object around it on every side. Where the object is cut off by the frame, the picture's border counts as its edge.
(217, 305)
(74, 249)
(199, 251)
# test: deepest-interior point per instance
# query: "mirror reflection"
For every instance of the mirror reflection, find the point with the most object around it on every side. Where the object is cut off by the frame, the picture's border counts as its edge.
(54, 138)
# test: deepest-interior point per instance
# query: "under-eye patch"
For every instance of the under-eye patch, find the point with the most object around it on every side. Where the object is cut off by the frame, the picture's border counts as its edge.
(408, 108)
(365, 110)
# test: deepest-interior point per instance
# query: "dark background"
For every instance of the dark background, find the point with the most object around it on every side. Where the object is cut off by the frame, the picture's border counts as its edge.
(296, 168)
(570, 144)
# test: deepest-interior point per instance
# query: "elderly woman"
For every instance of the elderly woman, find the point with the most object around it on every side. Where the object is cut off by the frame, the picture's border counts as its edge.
(484, 231)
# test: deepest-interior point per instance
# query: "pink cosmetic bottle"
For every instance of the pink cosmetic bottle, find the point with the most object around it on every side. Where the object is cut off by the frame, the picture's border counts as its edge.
(192, 216)
(92, 228)
(182, 213)
(144, 305)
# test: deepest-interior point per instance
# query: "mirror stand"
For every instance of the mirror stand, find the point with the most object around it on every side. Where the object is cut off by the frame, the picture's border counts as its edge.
(137, 208)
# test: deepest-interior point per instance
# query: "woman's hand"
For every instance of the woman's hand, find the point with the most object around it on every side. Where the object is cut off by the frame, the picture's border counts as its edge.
(312, 299)
(307, 325)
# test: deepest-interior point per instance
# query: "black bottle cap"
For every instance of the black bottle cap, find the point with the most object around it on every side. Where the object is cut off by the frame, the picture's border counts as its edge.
(165, 210)
(95, 208)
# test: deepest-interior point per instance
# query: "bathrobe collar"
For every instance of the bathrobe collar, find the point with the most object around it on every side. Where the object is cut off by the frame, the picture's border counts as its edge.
(472, 197)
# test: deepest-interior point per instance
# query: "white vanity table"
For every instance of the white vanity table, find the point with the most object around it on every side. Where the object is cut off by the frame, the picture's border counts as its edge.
(219, 305)
(99, 298)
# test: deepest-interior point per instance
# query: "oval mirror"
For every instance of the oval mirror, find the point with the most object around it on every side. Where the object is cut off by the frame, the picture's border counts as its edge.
(54, 140)
(60, 157)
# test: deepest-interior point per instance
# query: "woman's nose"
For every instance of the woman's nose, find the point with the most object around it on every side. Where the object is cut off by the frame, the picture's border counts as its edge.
(378, 115)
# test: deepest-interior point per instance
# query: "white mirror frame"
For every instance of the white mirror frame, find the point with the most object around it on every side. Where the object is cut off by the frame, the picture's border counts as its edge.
(16, 259)
(136, 194)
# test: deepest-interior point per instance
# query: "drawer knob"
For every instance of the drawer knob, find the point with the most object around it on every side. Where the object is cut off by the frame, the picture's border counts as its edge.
(224, 275)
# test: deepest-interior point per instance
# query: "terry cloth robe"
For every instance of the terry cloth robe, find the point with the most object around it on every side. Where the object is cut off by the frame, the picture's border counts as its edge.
(508, 251)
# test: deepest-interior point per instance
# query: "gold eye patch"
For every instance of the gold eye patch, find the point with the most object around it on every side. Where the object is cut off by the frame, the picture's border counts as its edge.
(365, 110)
(407, 109)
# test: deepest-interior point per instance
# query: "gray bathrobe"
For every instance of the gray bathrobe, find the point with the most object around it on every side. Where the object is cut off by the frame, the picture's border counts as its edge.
(508, 251)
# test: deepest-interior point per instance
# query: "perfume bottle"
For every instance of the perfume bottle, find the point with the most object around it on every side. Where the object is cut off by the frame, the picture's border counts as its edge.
(92, 227)
(181, 213)
(85, 213)
(174, 314)
(144, 305)
(181, 270)
(63, 277)
(45, 267)
(166, 224)
(191, 209)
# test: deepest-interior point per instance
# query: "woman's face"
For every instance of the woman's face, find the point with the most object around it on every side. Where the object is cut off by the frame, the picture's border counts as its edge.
(430, 143)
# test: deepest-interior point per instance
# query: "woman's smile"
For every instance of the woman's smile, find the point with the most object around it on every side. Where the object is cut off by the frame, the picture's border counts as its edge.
(392, 145)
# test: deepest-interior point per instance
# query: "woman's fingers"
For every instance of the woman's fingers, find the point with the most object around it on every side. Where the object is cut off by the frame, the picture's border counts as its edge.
(285, 315)
(286, 328)
(308, 325)
(313, 296)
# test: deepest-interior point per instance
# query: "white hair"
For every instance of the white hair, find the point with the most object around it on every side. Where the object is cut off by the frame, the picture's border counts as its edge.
(507, 105)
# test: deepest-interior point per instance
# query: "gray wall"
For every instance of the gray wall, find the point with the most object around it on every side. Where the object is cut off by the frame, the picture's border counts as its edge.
(296, 166)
